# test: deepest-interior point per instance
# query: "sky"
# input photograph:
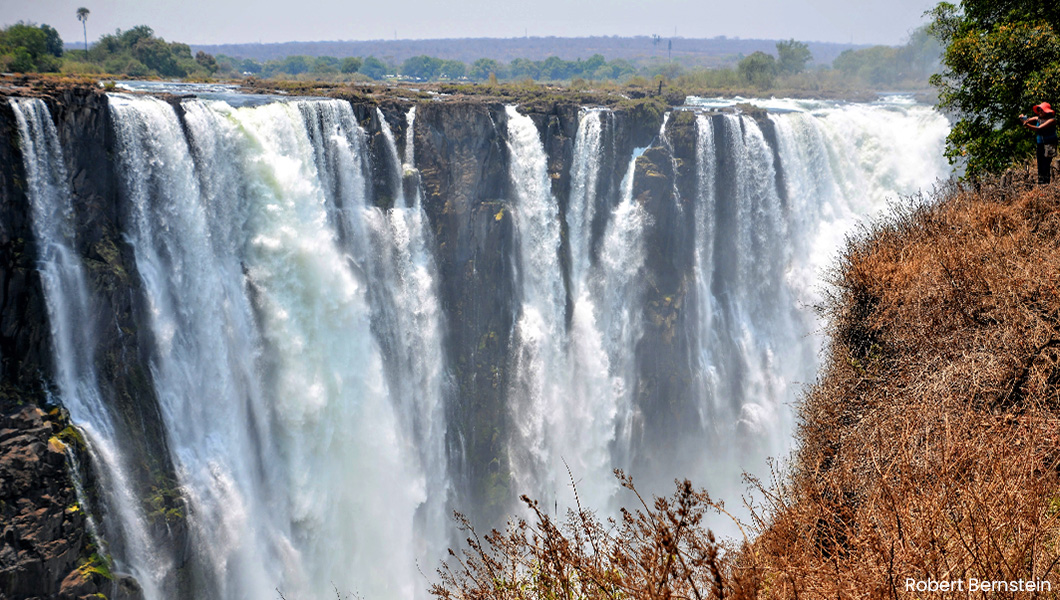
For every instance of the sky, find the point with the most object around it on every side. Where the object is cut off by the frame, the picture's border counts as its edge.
(238, 21)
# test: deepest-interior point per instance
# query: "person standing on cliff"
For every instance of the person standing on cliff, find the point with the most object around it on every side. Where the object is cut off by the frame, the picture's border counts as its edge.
(1044, 124)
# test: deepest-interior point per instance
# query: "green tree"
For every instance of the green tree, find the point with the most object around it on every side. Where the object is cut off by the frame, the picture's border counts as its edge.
(158, 56)
(82, 15)
(453, 69)
(53, 42)
(422, 67)
(350, 64)
(792, 57)
(250, 66)
(325, 65)
(758, 69)
(130, 37)
(1001, 57)
(207, 61)
(25, 47)
(876, 65)
(556, 69)
(374, 68)
(480, 69)
(522, 68)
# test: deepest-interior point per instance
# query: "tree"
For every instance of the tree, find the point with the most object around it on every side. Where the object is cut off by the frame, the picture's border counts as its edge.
(421, 67)
(758, 69)
(82, 15)
(53, 41)
(453, 69)
(207, 61)
(325, 65)
(1001, 57)
(30, 48)
(249, 66)
(481, 69)
(373, 67)
(524, 68)
(157, 55)
(792, 56)
(350, 64)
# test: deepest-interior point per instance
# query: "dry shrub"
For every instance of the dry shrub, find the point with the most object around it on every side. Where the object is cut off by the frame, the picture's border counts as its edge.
(655, 552)
(930, 447)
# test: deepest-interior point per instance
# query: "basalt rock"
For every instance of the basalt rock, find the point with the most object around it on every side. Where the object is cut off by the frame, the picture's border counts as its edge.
(45, 550)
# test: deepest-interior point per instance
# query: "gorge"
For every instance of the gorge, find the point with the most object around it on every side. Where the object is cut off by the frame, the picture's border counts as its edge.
(293, 335)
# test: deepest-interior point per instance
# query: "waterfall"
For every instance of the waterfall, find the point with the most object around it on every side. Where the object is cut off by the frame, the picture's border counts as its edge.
(298, 343)
(538, 345)
(395, 162)
(761, 251)
(410, 146)
(297, 453)
(573, 400)
(70, 315)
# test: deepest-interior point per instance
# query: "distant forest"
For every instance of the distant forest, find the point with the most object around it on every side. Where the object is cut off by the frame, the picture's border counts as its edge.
(718, 64)
(688, 52)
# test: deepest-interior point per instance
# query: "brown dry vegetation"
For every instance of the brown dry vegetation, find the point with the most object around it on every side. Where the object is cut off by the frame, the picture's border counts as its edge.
(928, 449)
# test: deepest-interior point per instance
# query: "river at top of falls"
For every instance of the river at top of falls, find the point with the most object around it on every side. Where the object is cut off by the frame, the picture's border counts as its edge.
(297, 333)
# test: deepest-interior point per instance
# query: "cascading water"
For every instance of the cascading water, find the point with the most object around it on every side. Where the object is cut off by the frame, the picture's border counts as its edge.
(298, 345)
(297, 454)
(573, 398)
(761, 252)
(70, 313)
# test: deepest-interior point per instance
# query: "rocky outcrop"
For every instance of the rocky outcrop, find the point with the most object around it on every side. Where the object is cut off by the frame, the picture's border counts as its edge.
(45, 549)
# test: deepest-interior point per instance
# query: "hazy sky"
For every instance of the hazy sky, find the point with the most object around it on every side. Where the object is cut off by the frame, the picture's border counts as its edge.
(233, 21)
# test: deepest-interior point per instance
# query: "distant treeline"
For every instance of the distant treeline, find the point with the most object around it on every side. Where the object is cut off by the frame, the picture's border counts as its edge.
(428, 68)
(910, 64)
(137, 52)
(714, 52)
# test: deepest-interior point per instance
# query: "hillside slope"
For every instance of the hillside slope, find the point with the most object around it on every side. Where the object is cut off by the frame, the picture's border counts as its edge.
(929, 448)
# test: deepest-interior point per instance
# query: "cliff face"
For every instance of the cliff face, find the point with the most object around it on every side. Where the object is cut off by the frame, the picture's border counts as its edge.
(24, 344)
(462, 162)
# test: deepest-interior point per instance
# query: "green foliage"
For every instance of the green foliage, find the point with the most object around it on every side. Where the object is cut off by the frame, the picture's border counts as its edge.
(480, 69)
(892, 66)
(374, 68)
(250, 66)
(207, 61)
(96, 565)
(758, 69)
(26, 47)
(793, 57)
(350, 65)
(156, 55)
(422, 67)
(453, 69)
(1001, 58)
(137, 52)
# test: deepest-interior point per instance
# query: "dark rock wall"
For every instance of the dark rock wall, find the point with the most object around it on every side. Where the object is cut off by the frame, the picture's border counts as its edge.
(463, 163)
(665, 185)
(24, 340)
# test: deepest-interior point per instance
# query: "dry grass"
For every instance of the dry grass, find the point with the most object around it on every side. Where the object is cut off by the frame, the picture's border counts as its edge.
(654, 552)
(930, 447)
